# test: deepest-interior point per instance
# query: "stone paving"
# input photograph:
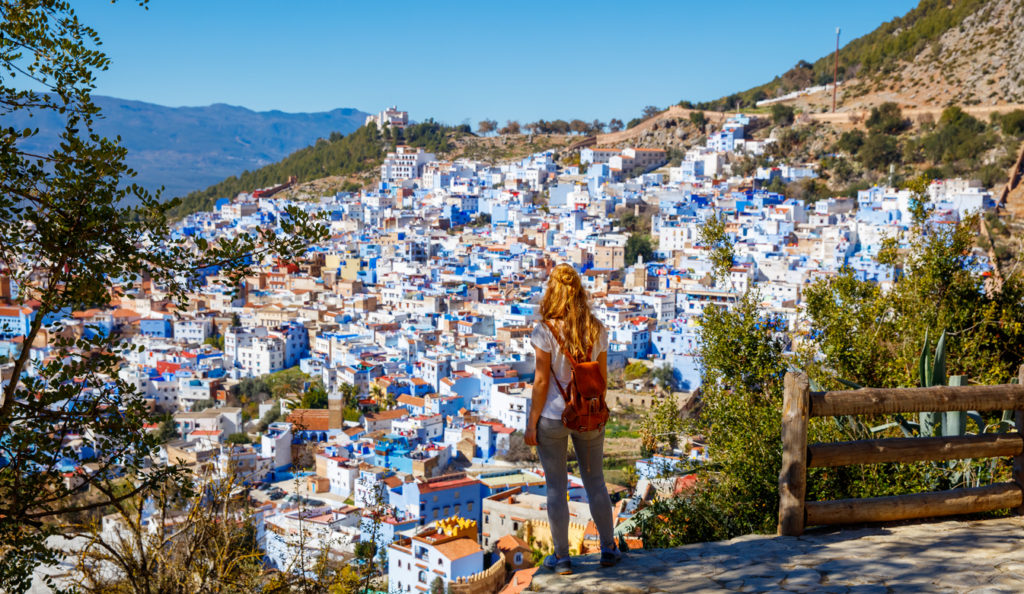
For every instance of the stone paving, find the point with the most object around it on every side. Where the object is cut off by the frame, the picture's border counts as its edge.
(952, 556)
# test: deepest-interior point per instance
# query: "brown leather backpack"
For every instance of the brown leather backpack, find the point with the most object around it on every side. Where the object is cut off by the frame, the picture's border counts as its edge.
(585, 408)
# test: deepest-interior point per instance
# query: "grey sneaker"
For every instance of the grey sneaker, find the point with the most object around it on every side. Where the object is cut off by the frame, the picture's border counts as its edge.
(610, 556)
(561, 566)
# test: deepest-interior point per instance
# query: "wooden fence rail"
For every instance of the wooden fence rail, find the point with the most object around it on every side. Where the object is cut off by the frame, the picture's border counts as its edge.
(800, 404)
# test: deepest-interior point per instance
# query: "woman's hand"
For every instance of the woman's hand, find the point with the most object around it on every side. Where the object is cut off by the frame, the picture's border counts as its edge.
(531, 433)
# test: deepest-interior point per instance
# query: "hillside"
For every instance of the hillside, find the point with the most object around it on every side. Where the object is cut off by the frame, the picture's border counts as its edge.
(348, 160)
(185, 148)
(941, 52)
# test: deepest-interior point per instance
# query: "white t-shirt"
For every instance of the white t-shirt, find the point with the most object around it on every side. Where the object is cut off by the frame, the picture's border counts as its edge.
(545, 341)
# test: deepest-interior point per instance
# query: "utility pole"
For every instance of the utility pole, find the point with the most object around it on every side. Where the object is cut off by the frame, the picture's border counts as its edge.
(835, 73)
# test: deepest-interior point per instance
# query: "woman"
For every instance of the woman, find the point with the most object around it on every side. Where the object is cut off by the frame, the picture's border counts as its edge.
(566, 309)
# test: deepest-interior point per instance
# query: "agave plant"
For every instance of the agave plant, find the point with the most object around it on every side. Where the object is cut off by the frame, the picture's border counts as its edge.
(932, 372)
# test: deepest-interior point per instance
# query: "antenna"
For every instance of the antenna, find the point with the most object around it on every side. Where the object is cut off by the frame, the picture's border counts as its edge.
(835, 73)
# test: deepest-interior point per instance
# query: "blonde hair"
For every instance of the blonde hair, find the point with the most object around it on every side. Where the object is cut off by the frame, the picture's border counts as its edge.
(565, 299)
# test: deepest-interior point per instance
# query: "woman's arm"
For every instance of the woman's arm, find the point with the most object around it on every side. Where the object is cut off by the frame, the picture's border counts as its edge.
(541, 379)
(602, 361)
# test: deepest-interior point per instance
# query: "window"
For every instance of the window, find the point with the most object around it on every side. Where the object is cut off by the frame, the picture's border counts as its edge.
(518, 558)
(457, 507)
(435, 513)
(456, 495)
(469, 506)
(422, 576)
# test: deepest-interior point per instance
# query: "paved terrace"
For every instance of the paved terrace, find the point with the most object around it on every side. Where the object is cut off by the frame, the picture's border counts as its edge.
(951, 556)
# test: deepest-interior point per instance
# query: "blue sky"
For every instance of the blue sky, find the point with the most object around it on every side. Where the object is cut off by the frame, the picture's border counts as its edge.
(463, 61)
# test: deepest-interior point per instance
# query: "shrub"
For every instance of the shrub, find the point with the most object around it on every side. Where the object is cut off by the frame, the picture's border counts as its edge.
(782, 115)
(878, 151)
(887, 118)
(239, 438)
(1012, 123)
(850, 142)
(634, 371)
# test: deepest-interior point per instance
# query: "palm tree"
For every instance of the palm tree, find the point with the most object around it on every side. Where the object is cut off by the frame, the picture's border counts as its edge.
(377, 393)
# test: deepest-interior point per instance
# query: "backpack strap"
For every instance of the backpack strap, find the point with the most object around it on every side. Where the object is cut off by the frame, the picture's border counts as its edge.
(561, 344)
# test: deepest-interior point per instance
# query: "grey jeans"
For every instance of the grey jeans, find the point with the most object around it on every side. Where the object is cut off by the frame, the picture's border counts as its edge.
(553, 446)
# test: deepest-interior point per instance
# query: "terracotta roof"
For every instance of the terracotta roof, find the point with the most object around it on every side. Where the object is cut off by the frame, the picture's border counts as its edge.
(445, 485)
(458, 548)
(384, 415)
(411, 400)
(511, 542)
(520, 581)
(310, 419)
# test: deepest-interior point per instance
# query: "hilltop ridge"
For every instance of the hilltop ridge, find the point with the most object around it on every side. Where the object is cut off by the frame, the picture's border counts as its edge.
(939, 53)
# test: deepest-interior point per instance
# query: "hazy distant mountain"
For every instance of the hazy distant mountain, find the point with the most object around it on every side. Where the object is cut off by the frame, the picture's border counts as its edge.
(187, 148)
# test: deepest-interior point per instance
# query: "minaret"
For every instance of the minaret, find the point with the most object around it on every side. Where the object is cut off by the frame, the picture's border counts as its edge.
(335, 411)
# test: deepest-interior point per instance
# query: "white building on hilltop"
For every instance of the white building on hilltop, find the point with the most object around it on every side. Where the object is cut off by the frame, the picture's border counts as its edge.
(405, 163)
(389, 117)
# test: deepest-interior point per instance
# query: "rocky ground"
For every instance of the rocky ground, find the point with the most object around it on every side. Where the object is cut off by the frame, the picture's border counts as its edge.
(951, 556)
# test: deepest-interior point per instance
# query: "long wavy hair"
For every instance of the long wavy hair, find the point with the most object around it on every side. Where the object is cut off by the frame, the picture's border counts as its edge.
(567, 301)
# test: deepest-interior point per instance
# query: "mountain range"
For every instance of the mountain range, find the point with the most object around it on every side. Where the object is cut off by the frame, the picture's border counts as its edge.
(188, 148)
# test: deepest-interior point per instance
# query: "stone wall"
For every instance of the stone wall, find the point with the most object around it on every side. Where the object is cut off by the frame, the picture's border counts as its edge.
(487, 581)
(538, 534)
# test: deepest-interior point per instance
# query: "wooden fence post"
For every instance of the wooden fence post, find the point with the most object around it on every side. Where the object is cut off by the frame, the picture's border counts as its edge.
(1018, 460)
(793, 476)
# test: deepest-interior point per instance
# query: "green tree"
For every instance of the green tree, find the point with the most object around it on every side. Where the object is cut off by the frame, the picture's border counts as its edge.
(782, 115)
(714, 238)
(850, 142)
(215, 341)
(740, 352)
(437, 586)
(76, 230)
(271, 416)
(240, 438)
(639, 244)
(168, 430)
(1012, 123)
(698, 119)
(650, 111)
(879, 151)
(350, 394)
(315, 397)
(887, 118)
(662, 424)
(630, 476)
(874, 338)
(635, 370)
(665, 376)
(958, 141)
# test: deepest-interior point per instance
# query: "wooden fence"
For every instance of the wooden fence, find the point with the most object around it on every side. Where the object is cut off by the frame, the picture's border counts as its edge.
(800, 404)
